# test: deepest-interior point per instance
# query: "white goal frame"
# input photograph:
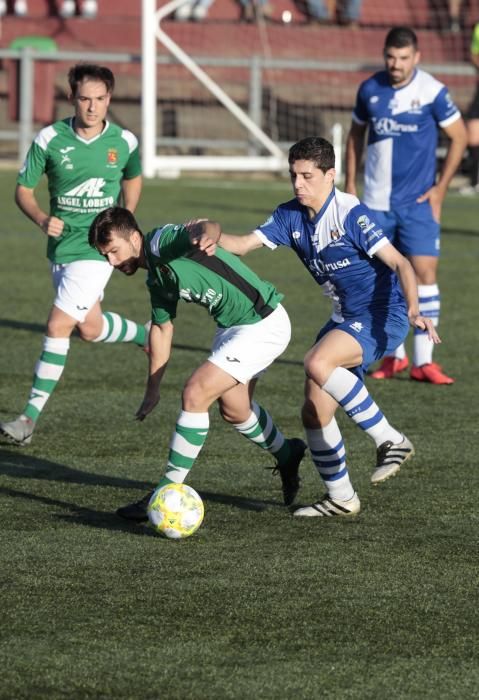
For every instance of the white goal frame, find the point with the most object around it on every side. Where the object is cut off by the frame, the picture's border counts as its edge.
(171, 165)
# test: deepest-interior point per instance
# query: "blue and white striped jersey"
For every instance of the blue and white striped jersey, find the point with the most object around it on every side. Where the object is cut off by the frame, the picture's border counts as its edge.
(337, 248)
(403, 131)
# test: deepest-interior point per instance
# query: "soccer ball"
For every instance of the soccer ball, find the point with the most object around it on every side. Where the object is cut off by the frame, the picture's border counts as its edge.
(175, 511)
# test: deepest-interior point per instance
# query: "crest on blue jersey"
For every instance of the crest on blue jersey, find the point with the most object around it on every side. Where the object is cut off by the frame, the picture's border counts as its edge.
(393, 104)
(363, 221)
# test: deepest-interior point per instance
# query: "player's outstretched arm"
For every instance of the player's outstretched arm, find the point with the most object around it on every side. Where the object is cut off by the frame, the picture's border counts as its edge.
(240, 245)
(27, 202)
(161, 338)
(391, 257)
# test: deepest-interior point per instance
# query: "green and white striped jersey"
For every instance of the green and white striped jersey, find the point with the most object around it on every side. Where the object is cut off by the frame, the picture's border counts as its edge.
(230, 291)
(84, 177)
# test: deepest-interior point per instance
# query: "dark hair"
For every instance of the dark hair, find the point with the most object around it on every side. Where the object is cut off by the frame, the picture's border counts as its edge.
(313, 148)
(118, 218)
(400, 37)
(90, 71)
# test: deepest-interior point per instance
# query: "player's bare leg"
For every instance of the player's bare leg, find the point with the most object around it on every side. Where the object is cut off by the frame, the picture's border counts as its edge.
(256, 424)
(207, 383)
(326, 366)
(51, 363)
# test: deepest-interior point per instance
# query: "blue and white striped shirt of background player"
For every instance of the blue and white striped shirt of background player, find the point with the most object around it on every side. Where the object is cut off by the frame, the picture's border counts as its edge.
(337, 247)
(402, 139)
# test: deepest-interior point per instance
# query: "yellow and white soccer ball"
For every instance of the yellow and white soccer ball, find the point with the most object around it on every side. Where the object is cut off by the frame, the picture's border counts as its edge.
(175, 511)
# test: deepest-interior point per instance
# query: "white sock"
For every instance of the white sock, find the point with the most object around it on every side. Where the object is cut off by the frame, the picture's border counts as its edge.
(117, 329)
(329, 457)
(400, 352)
(185, 445)
(429, 305)
(351, 393)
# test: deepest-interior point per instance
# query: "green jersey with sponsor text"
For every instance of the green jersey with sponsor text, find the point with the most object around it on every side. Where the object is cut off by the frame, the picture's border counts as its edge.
(230, 291)
(84, 177)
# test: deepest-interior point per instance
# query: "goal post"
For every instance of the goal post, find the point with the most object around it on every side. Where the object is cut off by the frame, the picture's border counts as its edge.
(220, 94)
(154, 164)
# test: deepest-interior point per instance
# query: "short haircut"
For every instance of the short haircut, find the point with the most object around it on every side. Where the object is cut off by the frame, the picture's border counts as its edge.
(90, 71)
(118, 218)
(400, 37)
(315, 149)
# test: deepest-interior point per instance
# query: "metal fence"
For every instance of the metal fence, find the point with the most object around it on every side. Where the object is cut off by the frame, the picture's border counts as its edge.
(258, 69)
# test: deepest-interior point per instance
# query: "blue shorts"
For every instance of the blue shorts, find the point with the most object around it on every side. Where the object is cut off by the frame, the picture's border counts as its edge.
(411, 229)
(379, 334)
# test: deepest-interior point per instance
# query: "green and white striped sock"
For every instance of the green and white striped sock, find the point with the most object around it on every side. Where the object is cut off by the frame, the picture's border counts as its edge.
(48, 371)
(260, 429)
(188, 439)
(117, 329)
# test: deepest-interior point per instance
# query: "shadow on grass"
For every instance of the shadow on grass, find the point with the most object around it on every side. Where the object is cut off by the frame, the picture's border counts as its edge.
(22, 325)
(81, 515)
(37, 328)
(23, 466)
(241, 502)
(108, 520)
(459, 232)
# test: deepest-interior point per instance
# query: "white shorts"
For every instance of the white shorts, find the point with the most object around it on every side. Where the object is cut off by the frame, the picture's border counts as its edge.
(244, 352)
(79, 285)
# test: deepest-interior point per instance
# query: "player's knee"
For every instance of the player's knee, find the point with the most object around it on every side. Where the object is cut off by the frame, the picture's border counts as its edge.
(317, 368)
(194, 398)
(57, 329)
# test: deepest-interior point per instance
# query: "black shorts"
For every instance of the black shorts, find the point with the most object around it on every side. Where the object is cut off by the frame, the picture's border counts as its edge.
(473, 109)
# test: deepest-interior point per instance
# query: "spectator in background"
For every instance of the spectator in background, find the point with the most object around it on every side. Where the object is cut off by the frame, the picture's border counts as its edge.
(251, 10)
(20, 8)
(193, 9)
(87, 8)
(454, 9)
(472, 122)
(67, 8)
(329, 11)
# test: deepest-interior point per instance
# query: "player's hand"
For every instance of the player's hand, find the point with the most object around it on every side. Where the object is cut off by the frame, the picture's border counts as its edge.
(425, 324)
(53, 226)
(435, 198)
(147, 406)
(207, 245)
(200, 237)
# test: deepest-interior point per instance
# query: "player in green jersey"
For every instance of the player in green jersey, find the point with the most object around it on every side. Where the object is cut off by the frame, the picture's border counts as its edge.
(253, 329)
(89, 162)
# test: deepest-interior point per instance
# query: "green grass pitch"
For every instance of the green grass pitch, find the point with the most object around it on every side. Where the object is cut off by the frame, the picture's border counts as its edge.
(256, 604)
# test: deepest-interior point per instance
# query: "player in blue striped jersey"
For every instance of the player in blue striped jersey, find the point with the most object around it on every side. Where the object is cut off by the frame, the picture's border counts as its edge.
(402, 109)
(374, 294)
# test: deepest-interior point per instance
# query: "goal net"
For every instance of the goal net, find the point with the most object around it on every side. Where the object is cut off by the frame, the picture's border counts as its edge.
(223, 89)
